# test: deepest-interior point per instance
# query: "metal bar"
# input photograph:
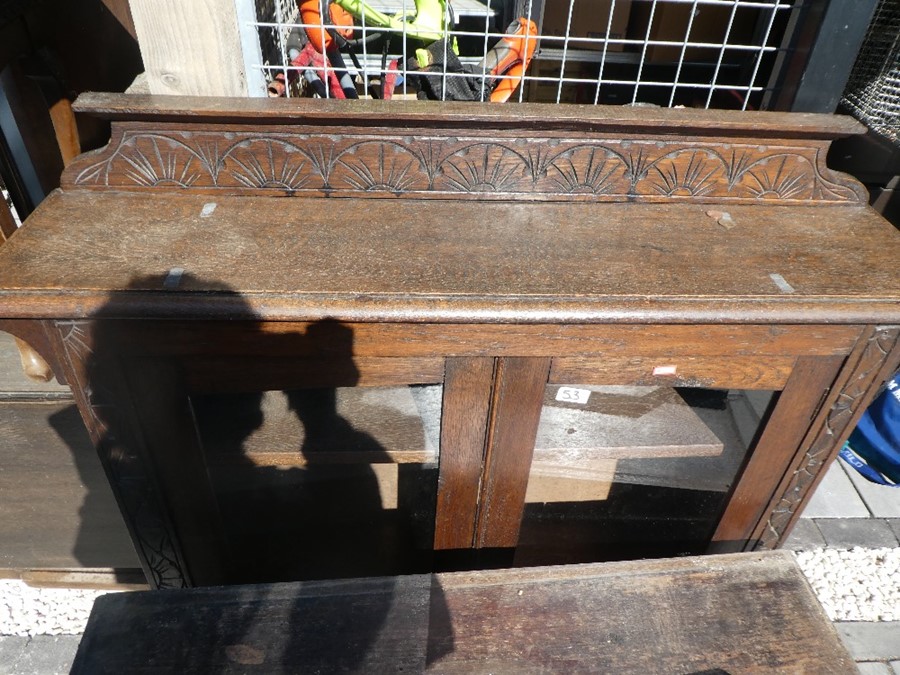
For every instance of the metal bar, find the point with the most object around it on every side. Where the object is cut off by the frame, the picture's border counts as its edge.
(637, 84)
(722, 53)
(612, 11)
(765, 40)
(446, 35)
(365, 46)
(528, 17)
(487, 27)
(250, 48)
(687, 37)
(562, 66)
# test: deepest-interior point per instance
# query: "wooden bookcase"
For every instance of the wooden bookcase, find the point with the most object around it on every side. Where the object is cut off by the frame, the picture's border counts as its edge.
(230, 247)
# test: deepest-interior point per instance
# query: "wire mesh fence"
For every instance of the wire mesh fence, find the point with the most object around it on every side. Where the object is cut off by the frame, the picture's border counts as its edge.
(697, 53)
(873, 92)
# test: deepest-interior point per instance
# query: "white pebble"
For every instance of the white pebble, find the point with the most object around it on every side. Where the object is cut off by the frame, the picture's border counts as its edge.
(855, 585)
(27, 611)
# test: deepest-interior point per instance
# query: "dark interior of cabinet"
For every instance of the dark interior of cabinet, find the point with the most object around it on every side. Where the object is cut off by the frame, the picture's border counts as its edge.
(322, 483)
(329, 483)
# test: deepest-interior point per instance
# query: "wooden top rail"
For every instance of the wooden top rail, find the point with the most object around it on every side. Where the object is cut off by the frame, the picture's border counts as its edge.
(403, 115)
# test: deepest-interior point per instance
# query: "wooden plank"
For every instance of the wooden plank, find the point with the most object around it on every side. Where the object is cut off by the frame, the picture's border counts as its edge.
(618, 422)
(516, 403)
(405, 340)
(389, 425)
(638, 169)
(467, 115)
(361, 625)
(211, 373)
(733, 614)
(577, 279)
(586, 482)
(467, 395)
(736, 614)
(734, 372)
(190, 49)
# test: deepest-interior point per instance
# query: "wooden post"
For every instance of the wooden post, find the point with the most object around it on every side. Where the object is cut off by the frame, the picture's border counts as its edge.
(191, 48)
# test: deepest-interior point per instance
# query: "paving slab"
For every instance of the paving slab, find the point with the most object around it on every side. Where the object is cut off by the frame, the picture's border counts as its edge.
(11, 648)
(805, 536)
(883, 501)
(871, 641)
(835, 497)
(874, 668)
(895, 665)
(894, 524)
(850, 532)
(44, 654)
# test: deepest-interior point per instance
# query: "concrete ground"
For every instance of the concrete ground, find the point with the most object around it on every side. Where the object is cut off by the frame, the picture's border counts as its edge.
(848, 511)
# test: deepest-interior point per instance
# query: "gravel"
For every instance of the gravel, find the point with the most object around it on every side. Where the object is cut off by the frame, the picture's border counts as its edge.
(859, 584)
(27, 611)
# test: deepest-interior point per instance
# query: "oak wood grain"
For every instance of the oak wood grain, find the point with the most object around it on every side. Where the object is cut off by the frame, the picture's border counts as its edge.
(468, 383)
(516, 403)
(736, 614)
(215, 373)
(407, 114)
(560, 263)
(163, 424)
(875, 359)
(403, 341)
(735, 372)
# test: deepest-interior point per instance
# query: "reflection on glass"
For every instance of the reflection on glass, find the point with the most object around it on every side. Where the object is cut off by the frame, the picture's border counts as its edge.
(627, 472)
(324, 483)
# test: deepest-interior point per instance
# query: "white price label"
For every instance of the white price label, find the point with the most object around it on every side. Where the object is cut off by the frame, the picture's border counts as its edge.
(573, 395)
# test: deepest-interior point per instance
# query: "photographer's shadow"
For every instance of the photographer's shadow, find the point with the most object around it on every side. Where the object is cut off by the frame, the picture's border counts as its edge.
(327, 509)
(298, 490)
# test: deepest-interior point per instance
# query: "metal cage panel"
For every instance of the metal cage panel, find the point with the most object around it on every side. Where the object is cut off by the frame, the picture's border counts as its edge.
(696, 53)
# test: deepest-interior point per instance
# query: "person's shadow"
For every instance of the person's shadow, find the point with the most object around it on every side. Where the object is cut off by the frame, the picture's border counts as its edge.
(334, 511)
(287, 513)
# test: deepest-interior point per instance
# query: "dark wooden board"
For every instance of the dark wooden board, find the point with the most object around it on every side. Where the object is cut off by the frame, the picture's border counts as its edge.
(412, 113)
(56, 508)
(735, 614)
(362, 625)
(449, 261)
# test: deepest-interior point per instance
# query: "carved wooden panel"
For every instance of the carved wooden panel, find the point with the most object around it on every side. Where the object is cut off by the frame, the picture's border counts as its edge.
(130, 477)
(856, 393)
(336, 162)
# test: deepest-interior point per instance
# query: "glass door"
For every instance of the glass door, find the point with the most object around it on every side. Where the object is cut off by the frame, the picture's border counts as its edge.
(323, 482)
(622, 472)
